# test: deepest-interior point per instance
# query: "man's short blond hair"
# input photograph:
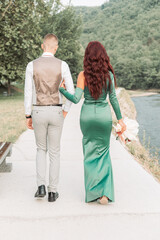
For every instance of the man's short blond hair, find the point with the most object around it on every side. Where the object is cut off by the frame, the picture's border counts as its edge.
(50, 39)
(50, 36)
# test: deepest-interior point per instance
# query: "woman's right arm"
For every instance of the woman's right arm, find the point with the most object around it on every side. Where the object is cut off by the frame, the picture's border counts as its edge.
(75, 98)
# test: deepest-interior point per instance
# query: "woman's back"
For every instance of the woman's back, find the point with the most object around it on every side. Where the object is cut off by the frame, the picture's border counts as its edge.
(102, 98)
(89, 99)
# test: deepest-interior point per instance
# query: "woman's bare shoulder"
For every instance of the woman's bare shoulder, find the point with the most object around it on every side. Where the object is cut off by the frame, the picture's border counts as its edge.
(80, 81)
(81, 74)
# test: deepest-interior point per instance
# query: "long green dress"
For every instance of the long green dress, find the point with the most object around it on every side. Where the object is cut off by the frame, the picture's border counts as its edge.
(96, 126)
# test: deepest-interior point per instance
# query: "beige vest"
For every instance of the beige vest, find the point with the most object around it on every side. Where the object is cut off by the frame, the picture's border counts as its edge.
(47, 78)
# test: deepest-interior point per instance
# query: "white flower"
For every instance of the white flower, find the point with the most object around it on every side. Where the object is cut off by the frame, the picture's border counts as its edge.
(132, 128)
(118, 127)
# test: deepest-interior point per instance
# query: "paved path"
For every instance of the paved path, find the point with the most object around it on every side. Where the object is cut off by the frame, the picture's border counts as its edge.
(135, 214)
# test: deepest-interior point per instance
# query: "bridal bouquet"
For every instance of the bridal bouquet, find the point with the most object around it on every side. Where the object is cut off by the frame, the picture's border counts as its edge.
(132, 128)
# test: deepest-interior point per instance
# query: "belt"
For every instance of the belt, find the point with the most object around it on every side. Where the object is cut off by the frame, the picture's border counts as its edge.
(60, 105)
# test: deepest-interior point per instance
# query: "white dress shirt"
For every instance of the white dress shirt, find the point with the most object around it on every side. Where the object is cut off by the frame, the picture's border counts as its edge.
(30, 91)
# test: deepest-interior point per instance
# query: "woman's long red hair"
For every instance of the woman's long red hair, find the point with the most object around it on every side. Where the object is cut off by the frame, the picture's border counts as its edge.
(96, 69)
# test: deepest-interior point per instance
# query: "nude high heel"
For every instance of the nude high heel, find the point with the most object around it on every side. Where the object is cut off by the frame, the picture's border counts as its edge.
(103, 200)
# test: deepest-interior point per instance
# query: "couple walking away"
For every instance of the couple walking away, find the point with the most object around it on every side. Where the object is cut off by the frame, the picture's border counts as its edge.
(47, 80)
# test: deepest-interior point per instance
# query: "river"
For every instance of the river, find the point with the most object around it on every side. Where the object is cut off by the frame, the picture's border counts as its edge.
(148, 117)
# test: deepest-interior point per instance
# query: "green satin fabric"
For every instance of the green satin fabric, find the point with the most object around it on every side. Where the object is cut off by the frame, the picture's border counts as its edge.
(96, 126)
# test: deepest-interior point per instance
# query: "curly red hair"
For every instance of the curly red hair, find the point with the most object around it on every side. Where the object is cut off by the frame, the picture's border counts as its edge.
(96, 69)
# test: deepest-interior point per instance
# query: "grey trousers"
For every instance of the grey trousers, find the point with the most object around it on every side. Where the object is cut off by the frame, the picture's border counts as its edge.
(47, 124)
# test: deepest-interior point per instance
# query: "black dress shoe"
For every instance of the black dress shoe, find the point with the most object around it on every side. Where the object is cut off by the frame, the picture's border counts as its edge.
(52, 196)
(41, 192)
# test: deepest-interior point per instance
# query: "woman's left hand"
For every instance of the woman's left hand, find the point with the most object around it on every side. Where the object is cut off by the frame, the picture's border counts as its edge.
(123, 125)
(63, 85)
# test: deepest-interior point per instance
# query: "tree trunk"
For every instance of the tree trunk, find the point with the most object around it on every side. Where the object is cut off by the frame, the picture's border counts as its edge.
(9, 87)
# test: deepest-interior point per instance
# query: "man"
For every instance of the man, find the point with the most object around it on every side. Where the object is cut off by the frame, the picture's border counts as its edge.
(43, 108)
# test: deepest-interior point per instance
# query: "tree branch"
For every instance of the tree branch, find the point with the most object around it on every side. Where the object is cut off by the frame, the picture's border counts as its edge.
(10, 3)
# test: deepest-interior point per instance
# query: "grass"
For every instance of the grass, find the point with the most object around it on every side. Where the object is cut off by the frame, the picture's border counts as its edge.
(141, 154)
(12, 121)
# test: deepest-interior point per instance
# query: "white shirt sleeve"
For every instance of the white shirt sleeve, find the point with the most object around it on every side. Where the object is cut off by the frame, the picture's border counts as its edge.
(66, 76)
(28, 89)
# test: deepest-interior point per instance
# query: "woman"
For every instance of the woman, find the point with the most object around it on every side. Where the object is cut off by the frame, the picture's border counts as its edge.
(96, 81)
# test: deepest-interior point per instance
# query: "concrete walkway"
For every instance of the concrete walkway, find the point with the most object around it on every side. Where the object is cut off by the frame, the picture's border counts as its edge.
(135, 214)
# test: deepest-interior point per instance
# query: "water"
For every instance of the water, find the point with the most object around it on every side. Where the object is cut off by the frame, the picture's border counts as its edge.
(148, 117)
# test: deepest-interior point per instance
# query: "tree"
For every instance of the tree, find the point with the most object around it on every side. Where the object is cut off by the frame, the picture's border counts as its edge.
(23, 25)
(19, 38)
(130, 32)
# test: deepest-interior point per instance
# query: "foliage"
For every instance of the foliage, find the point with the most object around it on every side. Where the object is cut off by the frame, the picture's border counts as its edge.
(130, 31)
(19, 38)
(23, 25)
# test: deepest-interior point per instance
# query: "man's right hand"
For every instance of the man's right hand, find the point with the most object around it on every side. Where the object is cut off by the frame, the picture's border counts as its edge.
(29, 123)
(63, 85)
(64, 113)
